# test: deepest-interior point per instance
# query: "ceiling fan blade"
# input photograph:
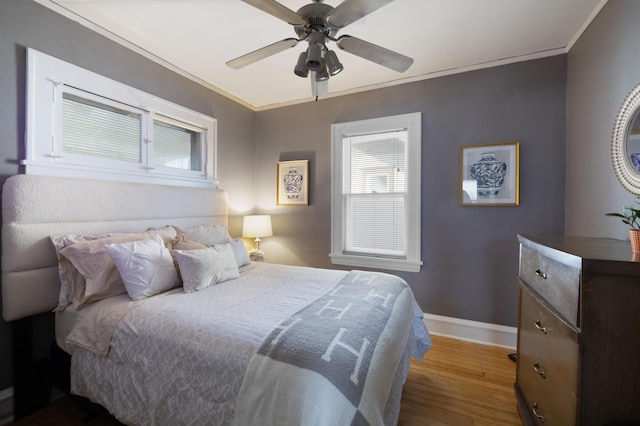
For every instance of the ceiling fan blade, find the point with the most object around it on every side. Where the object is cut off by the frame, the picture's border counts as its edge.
(351, 10)
(262, 53)
(274, 8)
(379, 55)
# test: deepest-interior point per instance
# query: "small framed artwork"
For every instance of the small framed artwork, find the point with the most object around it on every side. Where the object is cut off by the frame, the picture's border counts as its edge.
(489, 174)
(293, 183)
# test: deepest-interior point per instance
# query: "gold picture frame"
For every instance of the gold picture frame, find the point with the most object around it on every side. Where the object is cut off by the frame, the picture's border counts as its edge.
(490, 174)
(292, 187)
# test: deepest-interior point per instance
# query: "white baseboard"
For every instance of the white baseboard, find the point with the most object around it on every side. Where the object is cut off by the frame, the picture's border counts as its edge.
(472, 331)
(6, 406)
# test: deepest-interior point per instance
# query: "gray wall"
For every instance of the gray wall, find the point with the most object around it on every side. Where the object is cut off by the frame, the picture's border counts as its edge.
(470, 253)
(603, 67)
(26, 24)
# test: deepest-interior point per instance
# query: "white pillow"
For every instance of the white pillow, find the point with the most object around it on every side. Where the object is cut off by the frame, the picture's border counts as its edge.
(240, 252)
(86, 271)
(145, 266)
(207, 235)
(205, 267)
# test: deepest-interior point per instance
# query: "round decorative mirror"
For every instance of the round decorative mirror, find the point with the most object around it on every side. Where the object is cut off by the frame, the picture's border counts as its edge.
(625, 142)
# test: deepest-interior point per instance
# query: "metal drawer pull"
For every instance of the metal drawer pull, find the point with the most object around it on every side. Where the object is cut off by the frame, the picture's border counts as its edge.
(540, 327)
(539, 370)
(541, 274)
(535, 408)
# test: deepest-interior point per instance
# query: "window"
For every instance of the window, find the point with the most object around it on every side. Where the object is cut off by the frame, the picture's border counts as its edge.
(376, 193)
(176, 146)
(100, 128)
(82, 124)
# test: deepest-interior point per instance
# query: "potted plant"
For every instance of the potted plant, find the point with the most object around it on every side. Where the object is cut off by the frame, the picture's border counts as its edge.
(631, 217)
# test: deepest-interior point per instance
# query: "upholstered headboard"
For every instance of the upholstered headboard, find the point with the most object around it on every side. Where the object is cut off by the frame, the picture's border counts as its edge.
(36, 207)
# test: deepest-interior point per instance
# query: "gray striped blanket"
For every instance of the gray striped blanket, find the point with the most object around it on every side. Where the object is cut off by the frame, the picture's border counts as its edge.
(334, 361)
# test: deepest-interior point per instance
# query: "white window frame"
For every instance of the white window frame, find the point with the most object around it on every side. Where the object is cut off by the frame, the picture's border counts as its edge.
(412, 262)
(48, 78)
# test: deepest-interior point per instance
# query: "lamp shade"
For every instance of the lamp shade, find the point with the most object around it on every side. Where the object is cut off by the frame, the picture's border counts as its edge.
(314, 57)
(322, 74)
(256, 226)
(333, 63)
(301, 67)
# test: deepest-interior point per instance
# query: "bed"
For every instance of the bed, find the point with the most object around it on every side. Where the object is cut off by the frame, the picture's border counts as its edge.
(257, 344)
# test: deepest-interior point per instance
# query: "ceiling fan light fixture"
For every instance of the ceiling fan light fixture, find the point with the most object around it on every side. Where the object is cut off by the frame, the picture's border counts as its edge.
(314, 57)
(318, 23)
(322, 74)
(333, 63)
(301, 69)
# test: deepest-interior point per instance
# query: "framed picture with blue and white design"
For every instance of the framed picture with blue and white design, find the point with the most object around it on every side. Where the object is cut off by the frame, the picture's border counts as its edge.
(489, 174)
(293, 183)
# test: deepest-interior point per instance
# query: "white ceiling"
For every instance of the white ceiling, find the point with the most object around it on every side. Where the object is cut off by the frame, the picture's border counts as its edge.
(197, 37)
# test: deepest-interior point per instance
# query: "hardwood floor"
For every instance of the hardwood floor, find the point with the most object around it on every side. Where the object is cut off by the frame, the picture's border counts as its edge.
(66, 411)
(457, 383)
(460, 383)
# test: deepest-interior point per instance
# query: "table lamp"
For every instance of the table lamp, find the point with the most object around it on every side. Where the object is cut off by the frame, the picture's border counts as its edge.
(256, 226)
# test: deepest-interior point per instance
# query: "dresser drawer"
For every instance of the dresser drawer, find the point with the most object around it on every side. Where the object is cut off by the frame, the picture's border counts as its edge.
(547, 401)
(557, 283)
(547, 371)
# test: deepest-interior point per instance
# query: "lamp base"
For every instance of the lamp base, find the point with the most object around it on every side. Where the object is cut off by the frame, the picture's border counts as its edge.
(256, 255)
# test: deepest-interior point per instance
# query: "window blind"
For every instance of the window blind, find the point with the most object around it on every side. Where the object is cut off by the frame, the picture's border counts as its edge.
(375, 193)
(99, 130)
(175, 146)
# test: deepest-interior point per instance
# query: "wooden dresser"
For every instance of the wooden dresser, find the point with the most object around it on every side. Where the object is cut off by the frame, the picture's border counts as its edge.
(578, 332)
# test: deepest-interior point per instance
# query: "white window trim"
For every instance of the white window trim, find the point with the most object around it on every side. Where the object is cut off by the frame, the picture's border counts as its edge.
(49, 77)
(413, 262)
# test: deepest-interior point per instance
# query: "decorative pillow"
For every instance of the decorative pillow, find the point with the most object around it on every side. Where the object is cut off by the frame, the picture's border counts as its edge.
(206, 267)
(168, 233)
(97, 277)
(207, 235)
(66, 268)
(145, 266)
(181, 243)
(240, 252)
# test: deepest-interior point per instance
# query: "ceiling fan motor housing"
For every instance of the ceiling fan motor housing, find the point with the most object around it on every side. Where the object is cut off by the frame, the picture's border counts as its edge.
(315, 16)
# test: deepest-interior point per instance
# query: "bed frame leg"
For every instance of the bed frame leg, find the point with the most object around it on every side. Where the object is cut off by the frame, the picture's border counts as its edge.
(59, 368)
(31, 385)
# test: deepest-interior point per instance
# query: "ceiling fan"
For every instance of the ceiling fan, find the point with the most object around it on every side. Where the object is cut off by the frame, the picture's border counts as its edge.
(318, 23)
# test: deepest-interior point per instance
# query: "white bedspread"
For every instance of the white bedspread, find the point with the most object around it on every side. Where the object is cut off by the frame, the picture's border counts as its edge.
(180, 359)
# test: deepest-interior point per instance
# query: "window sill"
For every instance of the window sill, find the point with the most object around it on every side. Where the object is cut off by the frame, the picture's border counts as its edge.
(376, 262)
(74, 171)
